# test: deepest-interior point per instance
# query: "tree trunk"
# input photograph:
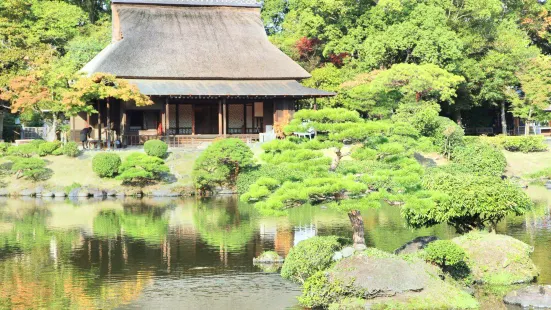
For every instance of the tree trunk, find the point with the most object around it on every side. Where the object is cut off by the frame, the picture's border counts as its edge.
(503, 120)
(357, 227)
(457, 117)
(527, 124)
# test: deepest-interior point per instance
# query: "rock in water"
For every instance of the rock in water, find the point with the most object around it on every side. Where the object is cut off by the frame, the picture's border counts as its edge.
(534, 296)
(498, 259)
(415, 245)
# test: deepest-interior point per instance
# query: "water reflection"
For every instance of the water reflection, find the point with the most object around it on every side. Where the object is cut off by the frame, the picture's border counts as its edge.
(151, 253)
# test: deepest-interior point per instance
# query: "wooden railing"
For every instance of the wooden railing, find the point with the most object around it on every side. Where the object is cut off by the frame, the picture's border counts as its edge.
(187, 140)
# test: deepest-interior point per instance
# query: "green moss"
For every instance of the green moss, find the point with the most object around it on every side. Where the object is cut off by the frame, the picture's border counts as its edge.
(351, 303)
(373, 252)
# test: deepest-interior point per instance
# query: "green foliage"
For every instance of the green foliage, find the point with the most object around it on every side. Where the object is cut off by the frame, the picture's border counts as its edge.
(106, 165)
(58, 151)
(444, 253)
(278, 172)
(141, 168)
(481, 159)
(308, 257)
(448, 136)
(464, 201)
(71, 149)
(24, 150)
(525, 144)
(4, 147)
(73, 186)
(31, 168)
(155, 148)
(319, 292)
(220, 164)
(48, 148)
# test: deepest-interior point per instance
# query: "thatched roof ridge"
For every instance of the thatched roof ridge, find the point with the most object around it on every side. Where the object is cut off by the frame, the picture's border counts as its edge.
(176, 42)
(228, 88)
(237, 3)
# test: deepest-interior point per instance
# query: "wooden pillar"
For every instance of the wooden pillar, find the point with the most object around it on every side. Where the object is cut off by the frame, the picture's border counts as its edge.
(315, 104)
(167, 118)
(225, 115)
(124, 120)
(193, 119)
(108, 123)
(220, 118)
(99, 121)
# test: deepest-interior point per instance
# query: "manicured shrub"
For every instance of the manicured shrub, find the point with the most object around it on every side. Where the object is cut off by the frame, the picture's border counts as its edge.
(318, 292)
(464, 201)
(155, 148)
(24, 150)
(141, 168)
(525, 144)
(71, 149)
(278, 172)
(448, 136)
(30, 168)
(444, 253)
(220, 164)
(47, 148)
(106, 165)
(37, 142)
(480, 158)
(308, 257)
(58, 151)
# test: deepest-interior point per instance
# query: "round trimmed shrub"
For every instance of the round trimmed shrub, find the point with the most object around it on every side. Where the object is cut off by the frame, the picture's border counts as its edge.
(308, 257)
(444, 253)
(155, 148)
(48, 148)
(106, 165)
(71, 149)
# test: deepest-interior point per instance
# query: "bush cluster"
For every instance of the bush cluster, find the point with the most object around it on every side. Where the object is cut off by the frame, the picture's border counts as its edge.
(278, 172)
(30, 168)
(106, 165)
(4, 147)
(155, 148)
(525, 144)
(71, 149)
(141, 168)
(318, 291)
(444, 253)
(48, 148)
(308, 257)
(220, 164)
(480, 158)
(24, 150)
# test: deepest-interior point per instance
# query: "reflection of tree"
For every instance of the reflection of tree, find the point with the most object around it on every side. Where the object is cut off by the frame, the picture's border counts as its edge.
(148, 225)
(228, 226)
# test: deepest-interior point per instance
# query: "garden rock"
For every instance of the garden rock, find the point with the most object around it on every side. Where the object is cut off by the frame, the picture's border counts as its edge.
(164, 193)
(27, 193)
(337, 256)
(47, 194)
(381, 278)
(38, 191)
(83, 193)
(268, 258)
(111, 193)
(4, 192)
(348, 251)
(534, 296)
(415, 245)
(59, 194)
(74, 192)
(97, 194)
(498, 259)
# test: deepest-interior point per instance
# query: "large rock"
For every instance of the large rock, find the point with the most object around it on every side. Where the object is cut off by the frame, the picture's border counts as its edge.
(163, 193)
(535, 296)
(74, 192)
(415, 245)
(385, 280)
(27, 193)
(4, 192)
(498, 259)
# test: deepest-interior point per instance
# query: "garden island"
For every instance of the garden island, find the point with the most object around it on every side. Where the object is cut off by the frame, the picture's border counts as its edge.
(235, 154)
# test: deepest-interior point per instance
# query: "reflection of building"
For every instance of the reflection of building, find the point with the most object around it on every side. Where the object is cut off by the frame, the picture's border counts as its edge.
(304, 232)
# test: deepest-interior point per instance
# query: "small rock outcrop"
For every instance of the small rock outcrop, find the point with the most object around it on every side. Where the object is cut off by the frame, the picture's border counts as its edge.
(498, 259)
(415, 245)
(531, 297)
(269, 261)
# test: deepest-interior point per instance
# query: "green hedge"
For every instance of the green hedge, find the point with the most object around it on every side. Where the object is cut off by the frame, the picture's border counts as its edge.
(106, 165)
(24, 150)
(71, 149)
(480, 158)
(48, 148)
(308, 257)
(155, 148)
(525, 144)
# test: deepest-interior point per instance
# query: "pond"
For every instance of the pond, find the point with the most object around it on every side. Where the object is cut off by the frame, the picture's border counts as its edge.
(184, 253)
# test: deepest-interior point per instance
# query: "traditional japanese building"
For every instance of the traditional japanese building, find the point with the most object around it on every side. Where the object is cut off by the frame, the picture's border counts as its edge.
(207, 65)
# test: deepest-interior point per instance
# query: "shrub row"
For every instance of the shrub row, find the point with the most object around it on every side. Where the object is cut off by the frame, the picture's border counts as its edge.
(525, 144)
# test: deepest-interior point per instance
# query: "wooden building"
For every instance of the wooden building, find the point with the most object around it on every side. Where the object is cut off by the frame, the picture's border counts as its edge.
(207, 65)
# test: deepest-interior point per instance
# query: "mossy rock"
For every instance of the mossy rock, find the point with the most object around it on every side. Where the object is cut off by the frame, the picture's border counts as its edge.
(498, 259)
(380, 280)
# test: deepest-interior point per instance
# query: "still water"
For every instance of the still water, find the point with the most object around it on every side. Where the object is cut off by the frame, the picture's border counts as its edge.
(188, 254)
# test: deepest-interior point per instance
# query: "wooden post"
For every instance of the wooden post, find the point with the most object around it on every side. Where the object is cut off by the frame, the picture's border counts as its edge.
(220, 119)
(167, 120)
(108, 125)
(99, 122)
(193, 119)
(245, 117)
(225, 116)
(315, 104)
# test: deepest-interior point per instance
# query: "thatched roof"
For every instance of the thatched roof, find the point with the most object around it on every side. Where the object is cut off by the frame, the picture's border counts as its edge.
(193, 42)
(228, 88)
(238, 3)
